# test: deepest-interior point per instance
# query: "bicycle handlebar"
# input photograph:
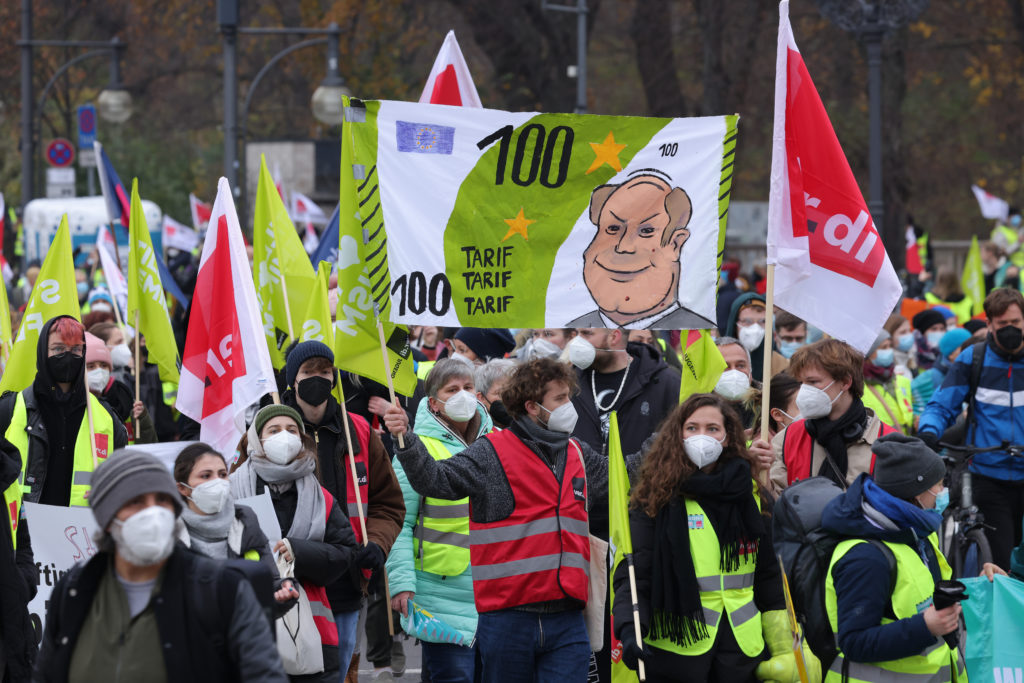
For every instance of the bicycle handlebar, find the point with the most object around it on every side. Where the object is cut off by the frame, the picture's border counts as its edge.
(1012, 449)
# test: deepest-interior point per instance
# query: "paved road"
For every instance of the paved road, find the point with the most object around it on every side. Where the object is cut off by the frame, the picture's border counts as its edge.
(413, 661)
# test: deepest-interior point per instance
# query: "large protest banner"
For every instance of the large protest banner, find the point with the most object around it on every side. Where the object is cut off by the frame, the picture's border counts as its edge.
(500, 219)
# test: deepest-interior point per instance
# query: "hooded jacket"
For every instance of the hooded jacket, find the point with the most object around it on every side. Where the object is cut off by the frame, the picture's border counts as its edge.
(19, 578)
(449, 598)
(857, 576)
(53, 420)
(779, 362)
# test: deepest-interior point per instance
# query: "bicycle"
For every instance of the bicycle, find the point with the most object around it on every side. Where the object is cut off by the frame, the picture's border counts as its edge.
(962, 535)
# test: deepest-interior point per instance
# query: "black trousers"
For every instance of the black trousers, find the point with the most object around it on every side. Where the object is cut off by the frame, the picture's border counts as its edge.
(725, 662)
(1002, 504)
(381, 648)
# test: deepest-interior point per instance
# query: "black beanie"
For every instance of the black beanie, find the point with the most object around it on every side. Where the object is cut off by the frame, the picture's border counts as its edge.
(927, 318)
(487, 343)
(302, 352)
(905, 466)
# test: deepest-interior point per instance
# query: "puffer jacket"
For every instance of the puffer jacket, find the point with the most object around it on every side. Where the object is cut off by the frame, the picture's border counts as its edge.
(449, 598)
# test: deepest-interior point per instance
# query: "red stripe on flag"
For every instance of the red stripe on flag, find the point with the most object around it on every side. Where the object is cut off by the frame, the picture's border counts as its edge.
(446, 88)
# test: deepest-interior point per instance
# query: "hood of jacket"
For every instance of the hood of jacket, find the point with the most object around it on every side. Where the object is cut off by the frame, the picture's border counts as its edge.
(844, 516)
(44, 385)
(734, 311)
(428, 424)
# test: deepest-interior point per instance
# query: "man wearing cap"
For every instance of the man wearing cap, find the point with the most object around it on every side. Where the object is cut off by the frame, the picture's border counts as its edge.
(145, 609)
(310, 375)
(890, 524)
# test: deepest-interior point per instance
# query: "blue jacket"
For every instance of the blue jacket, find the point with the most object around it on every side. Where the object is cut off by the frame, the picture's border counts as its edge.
(858, 575)
(449, 598)
(999, 413)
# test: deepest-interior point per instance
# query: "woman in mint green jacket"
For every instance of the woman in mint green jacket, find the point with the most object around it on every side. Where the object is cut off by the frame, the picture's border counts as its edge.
(428, 567)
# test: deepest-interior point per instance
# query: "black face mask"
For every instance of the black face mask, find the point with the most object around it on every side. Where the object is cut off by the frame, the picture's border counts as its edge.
(64, 367)
(1009, 337)
(314, 390)
(500, 415)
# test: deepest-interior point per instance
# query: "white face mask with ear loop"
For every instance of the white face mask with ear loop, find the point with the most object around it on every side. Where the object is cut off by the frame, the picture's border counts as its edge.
(461, 407)
(561, 419)
(702, 449)
(814, 402)
(281, 448)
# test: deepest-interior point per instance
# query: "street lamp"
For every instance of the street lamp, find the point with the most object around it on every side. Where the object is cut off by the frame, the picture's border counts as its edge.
(115, 102)
(328, 106)
(871, 21)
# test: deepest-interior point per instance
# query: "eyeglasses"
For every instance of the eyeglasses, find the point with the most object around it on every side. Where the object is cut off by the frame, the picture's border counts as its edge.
(57, 349)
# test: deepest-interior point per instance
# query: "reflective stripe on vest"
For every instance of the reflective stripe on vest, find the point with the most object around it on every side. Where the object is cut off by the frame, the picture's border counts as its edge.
(540, 552)
(911, 595)
(441, 535)
(362, 470)
(319, 605)
(731, 592)
(81, 474)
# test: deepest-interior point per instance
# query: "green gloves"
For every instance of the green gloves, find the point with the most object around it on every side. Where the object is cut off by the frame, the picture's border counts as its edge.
(778, 638)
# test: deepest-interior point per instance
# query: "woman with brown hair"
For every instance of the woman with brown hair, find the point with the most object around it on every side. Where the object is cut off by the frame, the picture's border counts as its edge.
(708, 584)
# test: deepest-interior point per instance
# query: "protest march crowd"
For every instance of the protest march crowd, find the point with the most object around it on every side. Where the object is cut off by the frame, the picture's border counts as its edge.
(284, 477)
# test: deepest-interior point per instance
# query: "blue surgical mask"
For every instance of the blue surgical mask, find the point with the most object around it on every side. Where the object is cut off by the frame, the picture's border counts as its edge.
(83, 289)
(1015, 220)
(788, 348)
(934, 338)
(942, 500)
(905, 342)
(884, 358)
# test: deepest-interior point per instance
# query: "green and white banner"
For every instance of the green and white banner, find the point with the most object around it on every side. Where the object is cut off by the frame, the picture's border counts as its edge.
(500, 219)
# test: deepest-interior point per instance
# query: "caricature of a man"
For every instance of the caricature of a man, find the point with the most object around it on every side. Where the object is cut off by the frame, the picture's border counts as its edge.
(631, 267)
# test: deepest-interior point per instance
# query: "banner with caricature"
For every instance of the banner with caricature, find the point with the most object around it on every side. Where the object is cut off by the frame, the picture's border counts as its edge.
(500, 219)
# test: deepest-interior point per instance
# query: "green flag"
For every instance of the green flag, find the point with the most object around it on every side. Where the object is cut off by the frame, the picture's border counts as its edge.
(973, 279)
(702, 364)
(618, 529)
(147, 305)
(6, 334)
(53, 294)
(364, 285)
(282, 272)
(316, 322)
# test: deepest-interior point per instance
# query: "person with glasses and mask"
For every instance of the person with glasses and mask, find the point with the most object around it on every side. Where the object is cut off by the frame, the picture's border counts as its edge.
(834, 432)
(998, 477)
(48, 423)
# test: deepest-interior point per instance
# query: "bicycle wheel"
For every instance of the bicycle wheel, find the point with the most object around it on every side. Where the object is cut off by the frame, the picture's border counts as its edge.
(972, 554)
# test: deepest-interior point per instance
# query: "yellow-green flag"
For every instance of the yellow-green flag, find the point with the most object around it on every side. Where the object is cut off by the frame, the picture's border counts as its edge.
(973, 279)
(53, 294)
(316, 322)
(618, 530)
(6, 334)
(282, 272)
(702, 364)
(362, 262)
(147, 305)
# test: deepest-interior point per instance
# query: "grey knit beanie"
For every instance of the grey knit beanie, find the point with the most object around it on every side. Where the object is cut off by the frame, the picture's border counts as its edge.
(905, 466)
(126, 474)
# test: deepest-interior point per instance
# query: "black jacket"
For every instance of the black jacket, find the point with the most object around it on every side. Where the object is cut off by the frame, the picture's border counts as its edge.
(230, 642)
(19, 578)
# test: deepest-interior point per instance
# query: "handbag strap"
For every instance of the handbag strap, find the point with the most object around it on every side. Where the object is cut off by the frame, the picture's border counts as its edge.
(895, 422)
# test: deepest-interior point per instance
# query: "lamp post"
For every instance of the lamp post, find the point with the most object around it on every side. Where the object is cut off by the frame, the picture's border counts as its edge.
(580, 10)
(871, 21)
(115, 103)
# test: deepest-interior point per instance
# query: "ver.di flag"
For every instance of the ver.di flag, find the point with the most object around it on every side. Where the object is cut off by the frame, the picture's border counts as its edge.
(449, 81)
(973, 279)
(147, 305)
(831, 268)
(282, 271)
(226, 366)
(501, 219)
(363, 283)
(703, 364)
(991, 206)
(53, 294)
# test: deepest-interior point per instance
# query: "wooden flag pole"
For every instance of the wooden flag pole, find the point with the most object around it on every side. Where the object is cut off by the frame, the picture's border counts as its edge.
(766, 372)
(92, 424)
(636, 613)
(138, 354)
(387, 372)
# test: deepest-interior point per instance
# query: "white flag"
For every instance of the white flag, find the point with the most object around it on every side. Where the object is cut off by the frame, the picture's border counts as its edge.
(179, 236)
(116, 281)
(449, 81)
(991, 206)
(305, 210)
(226, 366)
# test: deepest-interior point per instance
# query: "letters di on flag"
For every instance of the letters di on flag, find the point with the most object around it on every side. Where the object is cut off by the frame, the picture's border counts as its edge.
(499, 219)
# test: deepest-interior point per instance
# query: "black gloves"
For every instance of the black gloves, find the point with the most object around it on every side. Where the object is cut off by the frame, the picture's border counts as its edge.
(632, 652)
(930, 440)
(370, 556)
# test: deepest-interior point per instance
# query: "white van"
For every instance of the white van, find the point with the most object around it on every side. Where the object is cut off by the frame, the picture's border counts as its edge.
(85, 216)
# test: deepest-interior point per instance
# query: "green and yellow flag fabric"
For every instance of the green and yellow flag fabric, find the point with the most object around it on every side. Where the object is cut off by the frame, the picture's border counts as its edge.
(282, 272)
(147, 304)
(364, 284)
(618, 529)
(702, 364)
(973, 279)
(316, 323)
(54, 294)
(6, 334)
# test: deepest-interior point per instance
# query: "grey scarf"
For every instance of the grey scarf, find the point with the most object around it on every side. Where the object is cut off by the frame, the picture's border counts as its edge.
(208, 534)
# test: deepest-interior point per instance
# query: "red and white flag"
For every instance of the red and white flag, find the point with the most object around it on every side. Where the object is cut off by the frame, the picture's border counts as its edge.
(200, 212)
(116, 282)
(226, 365)
(991, 206)
(305, 210)
(449, 81)
(179, 236)
(831, 268)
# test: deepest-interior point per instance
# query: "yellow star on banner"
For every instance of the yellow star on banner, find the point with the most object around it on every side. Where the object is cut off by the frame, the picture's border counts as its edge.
(606, 152)
(518, 226)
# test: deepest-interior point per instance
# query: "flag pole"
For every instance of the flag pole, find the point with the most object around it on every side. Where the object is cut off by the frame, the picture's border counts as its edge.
(92, 424)
(387, 368)
(766, 371)
(636, 612)
(138, 355)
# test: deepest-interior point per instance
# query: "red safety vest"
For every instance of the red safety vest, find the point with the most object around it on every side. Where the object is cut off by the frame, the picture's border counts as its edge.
(798, 449)
(541, 552)
(362, 459)
(319, 605)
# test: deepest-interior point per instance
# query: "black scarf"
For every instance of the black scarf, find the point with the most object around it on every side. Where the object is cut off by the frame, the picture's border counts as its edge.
(834, 435)
(726, 497)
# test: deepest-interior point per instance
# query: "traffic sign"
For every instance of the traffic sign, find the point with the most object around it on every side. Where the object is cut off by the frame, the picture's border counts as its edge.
(86, 135)
(60, 153)
(60, 182)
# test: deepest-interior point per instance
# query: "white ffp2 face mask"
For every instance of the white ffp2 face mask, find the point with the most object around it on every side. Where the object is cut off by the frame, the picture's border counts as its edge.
(702, 449)
(98, 379)
(542, 348)
(733, 385)
(120, 356)
(751, 336)
(814, 402)
(210, 496)
(281, 448)
(581, 352)
(461, 407)
(563, 418)
(145, 538)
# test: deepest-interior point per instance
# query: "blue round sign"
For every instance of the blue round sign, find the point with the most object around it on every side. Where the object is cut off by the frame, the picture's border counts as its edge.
(60, 153)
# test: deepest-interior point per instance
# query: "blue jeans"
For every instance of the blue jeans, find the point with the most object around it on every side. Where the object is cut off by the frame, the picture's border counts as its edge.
(447, 663)
(526, 647)
(347, 637)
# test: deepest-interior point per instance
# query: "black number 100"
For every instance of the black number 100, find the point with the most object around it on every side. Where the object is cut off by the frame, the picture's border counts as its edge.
(542, 158)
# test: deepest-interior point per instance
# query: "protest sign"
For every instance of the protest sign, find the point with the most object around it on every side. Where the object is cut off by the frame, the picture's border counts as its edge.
(264, 509)
(500, 219)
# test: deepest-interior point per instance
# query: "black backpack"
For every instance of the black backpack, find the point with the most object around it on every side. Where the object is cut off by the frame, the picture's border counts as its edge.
(806, 551)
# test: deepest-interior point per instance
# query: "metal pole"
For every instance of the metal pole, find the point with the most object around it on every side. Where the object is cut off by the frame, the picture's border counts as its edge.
(27, 141)
(581, 56)
(231, 107)
(876, 203)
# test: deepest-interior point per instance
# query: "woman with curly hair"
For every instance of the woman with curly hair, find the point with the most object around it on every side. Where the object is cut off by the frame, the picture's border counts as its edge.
(708, 584)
